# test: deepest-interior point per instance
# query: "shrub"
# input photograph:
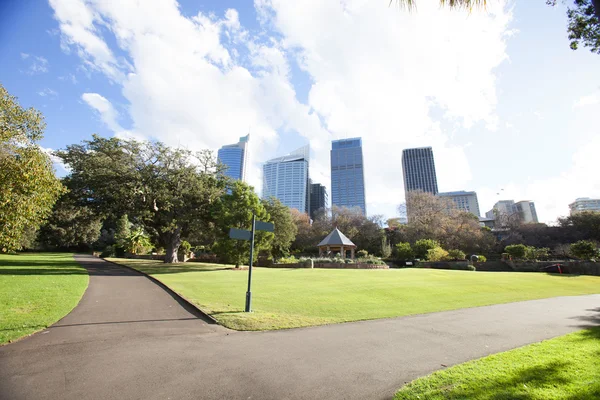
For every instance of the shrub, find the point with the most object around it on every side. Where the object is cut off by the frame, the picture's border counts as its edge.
(404, 252)
(362, 253)
(109, 251)
(471, 267)
(481, 259)
(516, 250)
(185, 247)
(422, 246)
(371, 260)
(288, 260)
(457, 255)
(584, 249)
(532, 253)
(437, 254)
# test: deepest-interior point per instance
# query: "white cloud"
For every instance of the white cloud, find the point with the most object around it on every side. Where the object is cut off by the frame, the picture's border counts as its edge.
(375, 72)
(588, 100)
(47, 92)
(58, 163)
(38, 65)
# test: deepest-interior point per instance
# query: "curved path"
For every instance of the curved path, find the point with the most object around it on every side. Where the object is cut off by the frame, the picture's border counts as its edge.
(130, 339)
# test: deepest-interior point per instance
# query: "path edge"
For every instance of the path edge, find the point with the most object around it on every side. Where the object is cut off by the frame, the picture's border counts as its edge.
(173, 293)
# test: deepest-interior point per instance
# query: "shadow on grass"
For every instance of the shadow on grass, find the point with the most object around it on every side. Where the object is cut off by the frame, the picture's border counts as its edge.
(47, 266)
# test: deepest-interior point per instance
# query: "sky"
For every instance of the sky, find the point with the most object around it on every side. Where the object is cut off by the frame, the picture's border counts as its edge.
(509, 110)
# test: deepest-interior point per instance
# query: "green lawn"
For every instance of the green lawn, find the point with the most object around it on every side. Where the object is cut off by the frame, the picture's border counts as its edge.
(289, 298)
(565, 368)
(37, 290)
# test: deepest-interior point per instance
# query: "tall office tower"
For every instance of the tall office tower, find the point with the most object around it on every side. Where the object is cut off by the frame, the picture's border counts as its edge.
(318, 198)
(584, 204)
(504, 208)
(526, 211)
(465, 201)
(286, 178)
(418, 169)
(347, 174)
(234, 156)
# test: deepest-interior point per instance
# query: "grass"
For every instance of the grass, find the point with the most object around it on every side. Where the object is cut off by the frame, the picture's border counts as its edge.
(37, 290)
(290, 298)
(565, 368)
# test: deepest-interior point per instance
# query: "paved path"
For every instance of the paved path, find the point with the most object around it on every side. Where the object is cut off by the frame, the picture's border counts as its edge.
(129, 339)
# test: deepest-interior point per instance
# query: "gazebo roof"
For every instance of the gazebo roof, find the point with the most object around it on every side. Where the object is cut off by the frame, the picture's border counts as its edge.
(336, 238)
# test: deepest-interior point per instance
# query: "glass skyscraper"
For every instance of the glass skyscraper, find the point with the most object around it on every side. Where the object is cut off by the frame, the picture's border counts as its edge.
(286, 178)
(347, 174)
(318, 198)
(418, 169)
(234, 157)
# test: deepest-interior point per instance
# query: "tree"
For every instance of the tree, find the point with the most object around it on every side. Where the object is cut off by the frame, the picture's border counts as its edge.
(386, 247)
(404, 251)
(138, 242)
(28, 186)
(305, 238)
(235, 210)
(585, 225)
(123, 231)
(584, 249)
(169, 192)
(285, 228)
(422, 246)
(70, 226)
(584, 24)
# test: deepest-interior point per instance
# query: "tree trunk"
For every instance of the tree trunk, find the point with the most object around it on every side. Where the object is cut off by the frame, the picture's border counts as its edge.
(173, 241)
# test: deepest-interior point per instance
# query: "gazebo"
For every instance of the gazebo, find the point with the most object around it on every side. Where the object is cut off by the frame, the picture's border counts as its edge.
(336, 242)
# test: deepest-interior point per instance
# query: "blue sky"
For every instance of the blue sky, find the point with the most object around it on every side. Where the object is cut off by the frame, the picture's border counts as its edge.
(506, 105)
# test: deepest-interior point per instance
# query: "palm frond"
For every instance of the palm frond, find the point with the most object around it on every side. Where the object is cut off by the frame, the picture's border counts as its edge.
(468, 4)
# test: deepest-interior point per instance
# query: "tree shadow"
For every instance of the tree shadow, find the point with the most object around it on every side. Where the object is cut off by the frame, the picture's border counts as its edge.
(47, 266)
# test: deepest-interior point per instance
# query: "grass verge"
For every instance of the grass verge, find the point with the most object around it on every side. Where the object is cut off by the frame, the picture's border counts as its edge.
(565, 368)
(36, 290)
(291, 298)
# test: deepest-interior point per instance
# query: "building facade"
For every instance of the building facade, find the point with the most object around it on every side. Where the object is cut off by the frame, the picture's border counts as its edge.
(234, 157)
(507, 211)
(418, 169)
(465, 201)
(526, 211)
(286, 178)
(347, 174)
(584, 204)
(318, 198)
(504, 208)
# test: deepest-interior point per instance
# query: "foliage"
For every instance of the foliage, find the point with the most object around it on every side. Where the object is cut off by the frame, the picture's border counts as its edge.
(186, 247)
(123, 231)
(584, 249)
(584, 24)
(169, 192)
(290, 260)
(422, 246)
(457, 255)
(38, 289)
(306, 239)
(108, 251)
(138, 242)
(586, 224)
(28, 188)
(306, 297)
(437, 254)
(386, 247)
(235, 210)
(284, 227)
(362, 253)
(70, 226)
(404, 251)
(371, 260)
(481, 258)
(516, 250)
(533, 253)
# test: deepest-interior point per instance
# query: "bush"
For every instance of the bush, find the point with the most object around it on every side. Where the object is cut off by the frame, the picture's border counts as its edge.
(109, 251)
(185, 247)
(584, 249)
(437, 254)
(481, 259)
(422, 246)
(457, 255)
(362, 253)
(288, 260)
(471, 267)
(404, 252)
(371, 260)
(516, 250)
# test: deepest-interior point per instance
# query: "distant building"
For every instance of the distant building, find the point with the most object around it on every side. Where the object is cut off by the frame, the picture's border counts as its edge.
(465, 201)
(501, 208)
(418, 169)
(584, 204)
(347, 174)
(286, 178)
(318, 198)
(526, 212)
(234, 157)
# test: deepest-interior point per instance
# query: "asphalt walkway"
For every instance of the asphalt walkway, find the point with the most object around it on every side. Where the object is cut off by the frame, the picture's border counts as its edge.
(130, 339)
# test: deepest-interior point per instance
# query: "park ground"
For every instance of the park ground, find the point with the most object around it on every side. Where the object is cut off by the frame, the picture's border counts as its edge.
(36, 290)
(566, 368)
(292, 298)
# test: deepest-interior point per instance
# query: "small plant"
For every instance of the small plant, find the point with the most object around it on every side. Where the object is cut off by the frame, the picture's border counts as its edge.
(481, 259)
(457, 255)
(288, 260)
(362, 253)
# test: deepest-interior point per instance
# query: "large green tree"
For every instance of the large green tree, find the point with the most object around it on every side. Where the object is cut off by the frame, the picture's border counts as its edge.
(28, 186)
(285, 228)
(167, 191)
(235, 210)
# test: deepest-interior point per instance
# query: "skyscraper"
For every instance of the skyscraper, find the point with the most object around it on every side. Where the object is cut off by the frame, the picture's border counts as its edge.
(464, 201)
(347, 174)
(234, 157)
(527, 212)
(584, 204)
(286, 178)
(418, 169)
(318, 198)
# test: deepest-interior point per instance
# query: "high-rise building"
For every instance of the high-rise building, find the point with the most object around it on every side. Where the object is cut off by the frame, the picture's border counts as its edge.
(526, 211)
(286, 178)
(465, 201)
(584, 204)
(418, 169)
(318, 198)
(234, 157)
(347, 174)
(505, 208)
